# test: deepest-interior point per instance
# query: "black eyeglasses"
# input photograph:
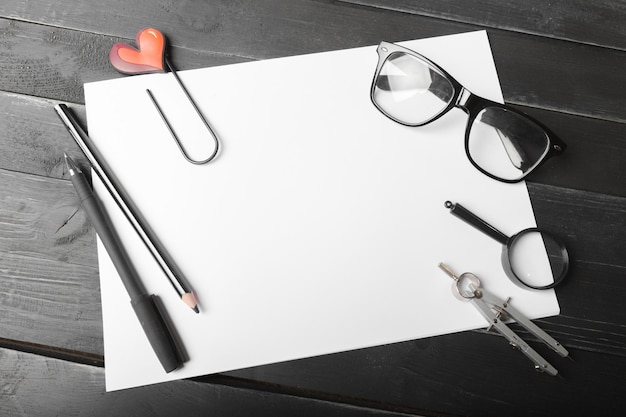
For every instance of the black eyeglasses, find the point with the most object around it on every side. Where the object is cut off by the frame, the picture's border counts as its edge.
(501, 142)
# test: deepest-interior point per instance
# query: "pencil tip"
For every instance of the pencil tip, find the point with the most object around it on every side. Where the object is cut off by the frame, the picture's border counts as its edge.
(190, 299)
(71, 165)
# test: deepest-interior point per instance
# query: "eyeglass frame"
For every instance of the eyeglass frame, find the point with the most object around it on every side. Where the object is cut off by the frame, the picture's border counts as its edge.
(472, 104)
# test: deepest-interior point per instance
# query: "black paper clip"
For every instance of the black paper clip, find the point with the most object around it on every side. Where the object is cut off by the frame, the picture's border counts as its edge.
(151, 57)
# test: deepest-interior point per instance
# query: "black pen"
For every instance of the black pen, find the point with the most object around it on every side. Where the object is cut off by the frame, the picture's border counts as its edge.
(144, 305)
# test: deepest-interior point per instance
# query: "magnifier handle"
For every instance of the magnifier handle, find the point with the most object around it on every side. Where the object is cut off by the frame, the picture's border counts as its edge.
(472, 219)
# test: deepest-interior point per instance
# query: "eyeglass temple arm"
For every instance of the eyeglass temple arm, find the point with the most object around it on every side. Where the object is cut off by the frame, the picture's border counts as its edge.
(475, 221)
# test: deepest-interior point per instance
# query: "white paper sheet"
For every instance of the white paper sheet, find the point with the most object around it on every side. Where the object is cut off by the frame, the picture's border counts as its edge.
(320, 226)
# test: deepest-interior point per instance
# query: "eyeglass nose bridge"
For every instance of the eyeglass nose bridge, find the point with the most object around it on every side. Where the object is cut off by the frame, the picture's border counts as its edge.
(464, 97)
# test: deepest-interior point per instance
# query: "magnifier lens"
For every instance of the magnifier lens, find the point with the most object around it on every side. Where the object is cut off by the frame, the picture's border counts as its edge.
(528, 261)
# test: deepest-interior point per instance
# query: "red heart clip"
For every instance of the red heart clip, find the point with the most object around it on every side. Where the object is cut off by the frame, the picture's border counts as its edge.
(150, 57)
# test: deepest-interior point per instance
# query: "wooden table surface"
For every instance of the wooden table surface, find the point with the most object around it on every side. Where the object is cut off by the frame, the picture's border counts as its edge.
(563, 62)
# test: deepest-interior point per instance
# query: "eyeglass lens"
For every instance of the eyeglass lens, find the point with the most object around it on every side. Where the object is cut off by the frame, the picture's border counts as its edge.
(506, 144)
(410, 90)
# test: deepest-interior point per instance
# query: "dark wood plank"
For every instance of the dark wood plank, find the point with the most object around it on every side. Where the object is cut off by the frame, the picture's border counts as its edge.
(466, 374)
(50, 290)
(592, 224)
(35, 210)
(591, 301)
(50, 303)
(257, 29)
(596, 23)
(33, 137)
(419, 378)
(35, 386)
(539, 72)
(566, 77)
(55, 63)
(594, 159)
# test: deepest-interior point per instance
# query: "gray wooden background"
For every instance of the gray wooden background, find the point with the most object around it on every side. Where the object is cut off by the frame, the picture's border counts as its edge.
(563, 62)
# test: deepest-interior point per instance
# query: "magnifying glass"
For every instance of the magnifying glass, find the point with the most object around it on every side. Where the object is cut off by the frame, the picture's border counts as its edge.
(519, 252)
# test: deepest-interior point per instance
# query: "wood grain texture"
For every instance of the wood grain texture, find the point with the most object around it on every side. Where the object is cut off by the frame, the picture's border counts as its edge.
(591, 299)
(468, 374)
(33, 386)
(561, 62)
(539, 72)
(34, 139)
(596, 23)
(49, 291)
(34, 211)
(54, 63)
(595, 157)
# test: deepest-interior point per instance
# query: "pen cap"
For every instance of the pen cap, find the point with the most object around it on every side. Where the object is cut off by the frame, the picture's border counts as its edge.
(157, 332)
